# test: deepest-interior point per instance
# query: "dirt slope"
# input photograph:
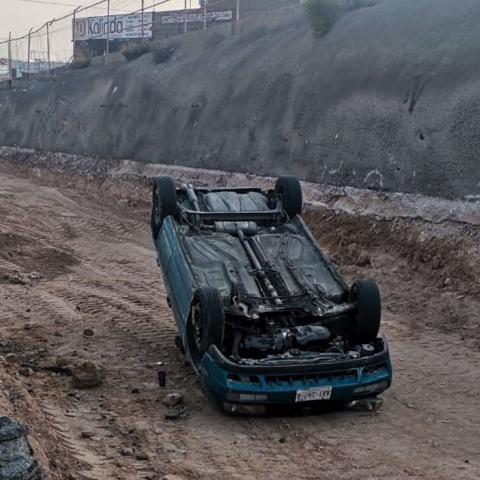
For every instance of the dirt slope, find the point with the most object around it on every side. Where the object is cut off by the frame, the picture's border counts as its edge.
(90, 242)
(388, 100)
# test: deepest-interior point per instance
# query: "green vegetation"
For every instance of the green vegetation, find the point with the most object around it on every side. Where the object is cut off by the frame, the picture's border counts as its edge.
(134, 51)
(81, 60)
(322, 15)
(162, 54)
(79, 64)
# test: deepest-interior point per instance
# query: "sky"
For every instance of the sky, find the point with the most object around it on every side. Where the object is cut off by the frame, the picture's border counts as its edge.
(18, 16)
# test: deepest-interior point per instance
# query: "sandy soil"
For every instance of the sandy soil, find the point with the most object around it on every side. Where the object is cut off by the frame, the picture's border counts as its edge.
(90, 242)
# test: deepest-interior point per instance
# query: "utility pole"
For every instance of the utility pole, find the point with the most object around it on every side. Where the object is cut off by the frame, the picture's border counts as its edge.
(143, 24)
(48, 46)
(107, 51)
(185, 20)
(74, 30)
(10, 72)
(237, 8)
(28, 54)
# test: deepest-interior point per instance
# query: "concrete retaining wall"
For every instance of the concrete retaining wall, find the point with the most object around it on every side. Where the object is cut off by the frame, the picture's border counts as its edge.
(387, 100)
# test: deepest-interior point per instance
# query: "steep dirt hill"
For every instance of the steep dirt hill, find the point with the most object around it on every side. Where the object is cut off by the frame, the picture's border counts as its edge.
(388, 100)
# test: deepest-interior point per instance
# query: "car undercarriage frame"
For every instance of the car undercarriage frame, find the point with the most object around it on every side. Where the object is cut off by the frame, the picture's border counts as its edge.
(266, 300)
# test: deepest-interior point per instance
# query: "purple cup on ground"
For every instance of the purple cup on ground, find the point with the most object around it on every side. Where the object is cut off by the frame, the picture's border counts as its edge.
(162, 378)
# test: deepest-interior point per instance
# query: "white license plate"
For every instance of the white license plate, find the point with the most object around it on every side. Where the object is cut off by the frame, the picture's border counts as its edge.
(320, 393)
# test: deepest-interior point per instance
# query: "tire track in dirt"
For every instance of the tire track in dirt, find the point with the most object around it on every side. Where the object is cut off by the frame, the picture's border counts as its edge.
(427, 429)
(95, 299)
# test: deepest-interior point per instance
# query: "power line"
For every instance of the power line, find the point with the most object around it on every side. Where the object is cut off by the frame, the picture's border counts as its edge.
(34, 31)
(122, 3)
(46, 2)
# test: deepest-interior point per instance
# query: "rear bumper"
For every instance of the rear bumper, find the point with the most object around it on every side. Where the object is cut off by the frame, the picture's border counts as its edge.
(278, 385)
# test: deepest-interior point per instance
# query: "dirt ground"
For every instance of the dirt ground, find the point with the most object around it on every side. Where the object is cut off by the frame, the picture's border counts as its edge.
(85, 252)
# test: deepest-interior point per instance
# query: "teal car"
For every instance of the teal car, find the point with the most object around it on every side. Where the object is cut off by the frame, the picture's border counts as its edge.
(263, 317)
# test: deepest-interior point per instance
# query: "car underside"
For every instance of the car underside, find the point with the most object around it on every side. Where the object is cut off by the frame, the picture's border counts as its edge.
(287, 302)
(265, 296)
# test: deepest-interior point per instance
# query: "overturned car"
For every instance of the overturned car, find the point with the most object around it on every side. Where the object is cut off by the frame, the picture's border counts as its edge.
(263, 316)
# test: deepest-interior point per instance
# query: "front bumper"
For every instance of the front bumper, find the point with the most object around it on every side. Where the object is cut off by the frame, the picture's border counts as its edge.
(349, 380)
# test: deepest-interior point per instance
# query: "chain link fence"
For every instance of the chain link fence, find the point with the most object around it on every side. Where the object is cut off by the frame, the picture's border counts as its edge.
(49, 48)
(107, 26)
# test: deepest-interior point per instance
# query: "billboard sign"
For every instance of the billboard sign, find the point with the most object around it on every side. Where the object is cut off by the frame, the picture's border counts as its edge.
(195, 17)
(114, 27)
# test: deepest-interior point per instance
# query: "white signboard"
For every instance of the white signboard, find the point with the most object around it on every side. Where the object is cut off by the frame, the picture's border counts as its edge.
(114, 27)
(194, 17)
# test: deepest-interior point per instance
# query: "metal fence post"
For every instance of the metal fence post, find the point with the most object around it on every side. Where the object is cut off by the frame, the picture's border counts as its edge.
(205, 14)
(29, 52)
(74, 31)
(237, 8)
(74, 21)
(108, 28)
(185, 20)
(10, 72)
(143, 21)
(48, 46)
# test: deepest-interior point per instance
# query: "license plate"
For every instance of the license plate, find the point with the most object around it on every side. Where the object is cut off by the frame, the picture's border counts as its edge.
(320, 393)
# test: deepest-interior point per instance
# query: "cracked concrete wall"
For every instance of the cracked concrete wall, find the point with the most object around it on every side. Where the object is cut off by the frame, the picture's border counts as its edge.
(389, 99)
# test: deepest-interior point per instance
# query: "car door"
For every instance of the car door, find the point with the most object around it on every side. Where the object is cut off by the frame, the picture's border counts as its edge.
(177, 273)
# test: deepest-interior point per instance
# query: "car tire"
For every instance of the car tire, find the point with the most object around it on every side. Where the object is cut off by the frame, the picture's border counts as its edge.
(290, 190)
(164, 202)
(16, 453)
(366, 325)
(207, 322)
